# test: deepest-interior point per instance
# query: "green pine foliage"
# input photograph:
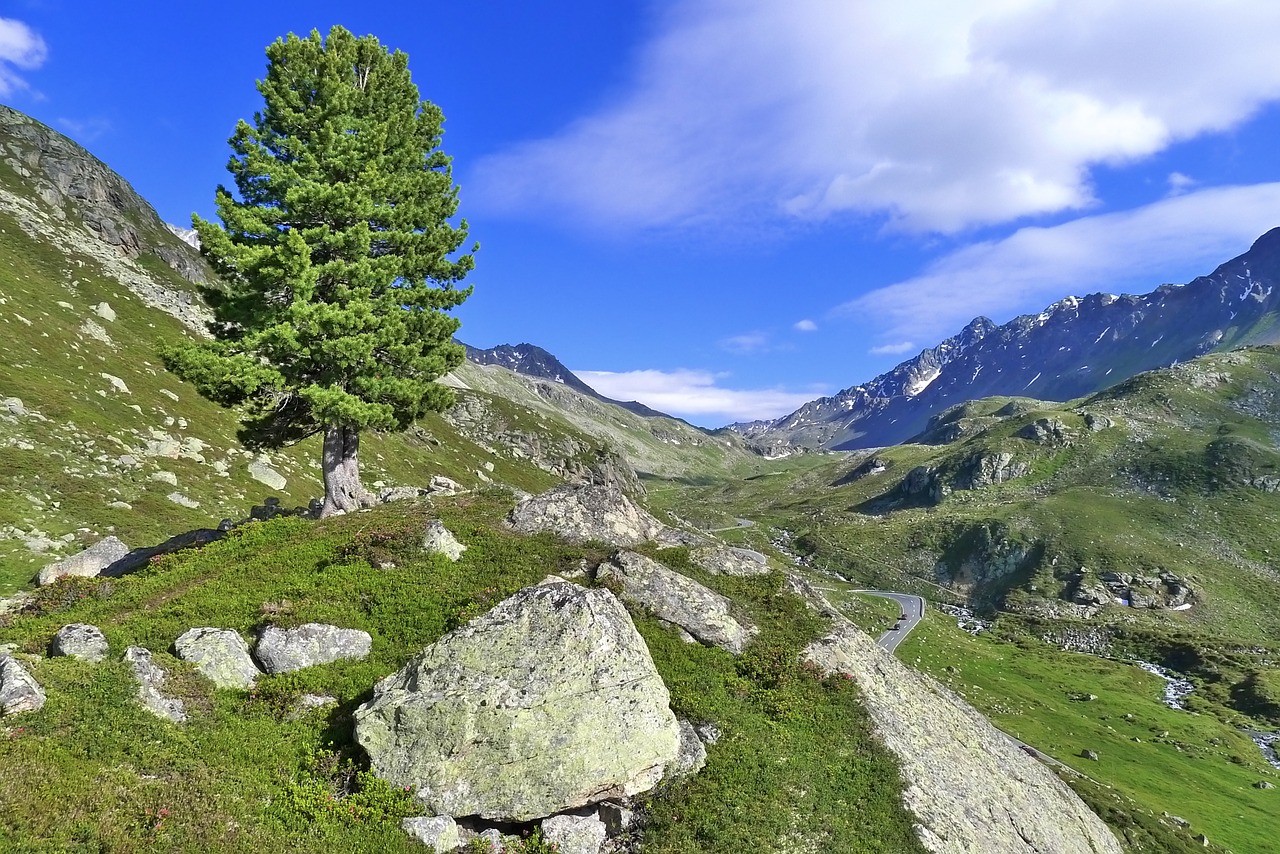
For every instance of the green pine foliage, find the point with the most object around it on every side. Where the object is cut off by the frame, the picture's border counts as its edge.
(339, 257)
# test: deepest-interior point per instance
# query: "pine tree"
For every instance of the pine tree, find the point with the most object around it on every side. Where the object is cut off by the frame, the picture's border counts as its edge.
(338, 258)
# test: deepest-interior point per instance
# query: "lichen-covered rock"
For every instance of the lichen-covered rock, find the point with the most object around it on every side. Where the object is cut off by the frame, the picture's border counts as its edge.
(583, 513)
(80, 640)
(730, 560)
(284, 650)
(88, 563)
(437, 832)
(989, 469)
(221, 655)
(574, 834)
(944, 746)
(672, 597)
(693, 755)
(554, 686)
(19, 691)
(438, 539)
(1046, 431)
(151, 679)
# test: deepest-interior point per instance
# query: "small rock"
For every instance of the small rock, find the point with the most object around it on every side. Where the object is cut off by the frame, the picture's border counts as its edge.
(438, 539)
(1091, 755)
(221, 655)
(119, 505)
(496, 842)
(88, 563)
(1179, 821)
(709, 733)
(151, 679)
(1263, 784)
(182, 500)
(105, 311)
(116, 383)
(573, 834)
(442, 485)
(261, 471)
(692, 756)
(80, 640)
(616, 817)
(15, 407)
(308, 703)
(285, 650)
(19, 692)
(163, 476)
(437, 832)
(1203, 840)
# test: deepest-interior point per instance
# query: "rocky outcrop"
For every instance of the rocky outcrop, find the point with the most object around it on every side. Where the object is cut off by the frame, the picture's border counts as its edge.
(585, 513)
(944, 747)
(676, 599)
(988, 469)
(1046, 431)
(151, 679)
(19, 691)
(220, 655)
(554, 685)
(80, 640)
(285, 650)
(88, 563)
(729, 560)
(437, 539)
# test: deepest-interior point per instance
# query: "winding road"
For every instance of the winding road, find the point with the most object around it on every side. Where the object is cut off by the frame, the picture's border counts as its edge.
(912, 606)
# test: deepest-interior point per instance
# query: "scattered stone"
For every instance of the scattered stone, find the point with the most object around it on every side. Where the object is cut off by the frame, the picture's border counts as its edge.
(308, 703)
(105, 311)
(116, 383)
(441, 485)
(261, 471)
(1264, 784)
(183, 501)
(437, 832)
(438, 539)
(15, 407)
(616, 817)
(1096, 422)
(88, 563)
(677, 599)
(1046, 431)
(151, 679)
(531, 687)
(1179, 820)
(496, 842)
(709, 733)
(1203, 840)
(1091, 755)
(692, 756)
(581, 513)
(80, 640)
(221, 655)
(730, 560)
(400, 493)
(19, 692)
(574, 834)
(285, 650)
(170, 395)
(163, 476)
(119, 505)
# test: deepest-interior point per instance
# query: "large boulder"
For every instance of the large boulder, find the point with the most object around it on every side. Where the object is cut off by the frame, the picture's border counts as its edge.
(677, 599)
(584, 513)
(437, 539)
(19, 691)
(151, 679)
(221, 655)
(554, 686)
(284, 650)
(730, 560)
(945, 746)
(88, 563)
(80, 640)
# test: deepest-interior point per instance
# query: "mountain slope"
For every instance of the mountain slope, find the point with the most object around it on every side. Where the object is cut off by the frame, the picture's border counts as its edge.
(1076, 346)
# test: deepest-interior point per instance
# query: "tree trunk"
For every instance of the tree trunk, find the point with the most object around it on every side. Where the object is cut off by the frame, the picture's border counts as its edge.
(343, 490)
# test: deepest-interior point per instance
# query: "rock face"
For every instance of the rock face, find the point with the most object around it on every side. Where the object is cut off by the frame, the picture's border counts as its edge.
(730, 560)
(583, 513)
(438, 539)
(944, 746)
(673, 597)
(283, 650)
(221, 655)
(80, 640)
(554, 685)
(87, 563)
(19, 692)
(151, 681)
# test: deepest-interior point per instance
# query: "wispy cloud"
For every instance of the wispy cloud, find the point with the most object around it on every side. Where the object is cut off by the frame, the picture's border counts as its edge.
(697, 395)
(742, 345)
(21, 49)
(1180, 183)
(85, 130)
(1191, 233)
(805, 325)
(937, 116)
(892, 349)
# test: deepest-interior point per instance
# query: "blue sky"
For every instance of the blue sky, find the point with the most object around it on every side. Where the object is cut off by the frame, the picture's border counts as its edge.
(724, 208)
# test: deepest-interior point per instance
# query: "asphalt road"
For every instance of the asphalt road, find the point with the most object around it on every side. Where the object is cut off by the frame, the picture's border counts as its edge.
(912, 606)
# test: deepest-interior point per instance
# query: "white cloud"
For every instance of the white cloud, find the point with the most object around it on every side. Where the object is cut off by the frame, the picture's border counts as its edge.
(21, 49)
(1179, 183)
(939, 115)
(805, 325)
(696, 395)
(1182, 235)
(896, 349)
(85, 130)
(742, 345)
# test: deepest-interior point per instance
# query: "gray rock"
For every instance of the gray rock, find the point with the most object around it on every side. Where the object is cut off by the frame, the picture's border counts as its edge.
(574, 834)
(308, 703)
(441, 485)
(709, 733)
(1264, 784)
(989, 469)
(1091, 755)
(284, 650)
(88, 563)
(19, 691)
(616, 817)
(14, 406)
(1097, 422)
(163, 476)
(438, 539)
(80, 640)
(554, 685)
(496, 842)
(677, 599)
(151, 679)
(182, 500)
(730, 560)
(692, 757)
(221, 655)
(261, 471)
(1046, 431)
(105, 311)
(437, 832)
(583, 513)
(400, 493)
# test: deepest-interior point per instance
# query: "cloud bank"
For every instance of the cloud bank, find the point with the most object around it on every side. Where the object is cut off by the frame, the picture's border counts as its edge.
(21, 49)
(696, 395)
(935, 115)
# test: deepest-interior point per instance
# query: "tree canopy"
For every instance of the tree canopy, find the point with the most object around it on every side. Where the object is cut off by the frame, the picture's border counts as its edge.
(339, 257)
